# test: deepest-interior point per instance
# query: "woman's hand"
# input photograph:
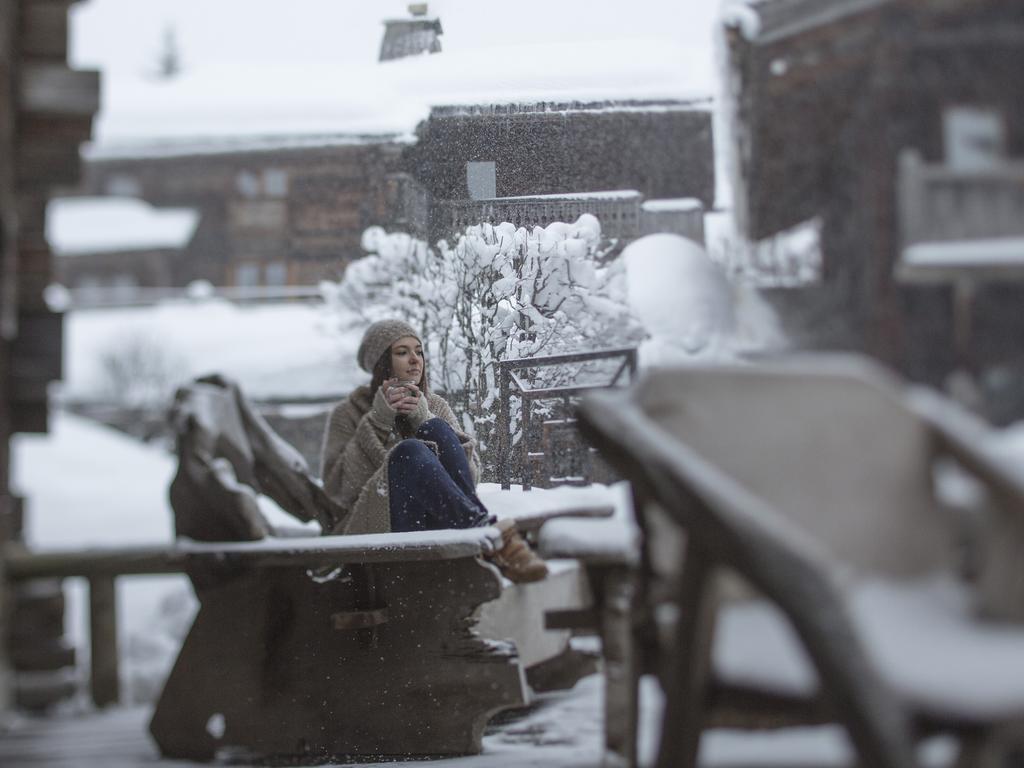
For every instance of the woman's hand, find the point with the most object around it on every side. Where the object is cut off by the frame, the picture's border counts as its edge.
(403, 397)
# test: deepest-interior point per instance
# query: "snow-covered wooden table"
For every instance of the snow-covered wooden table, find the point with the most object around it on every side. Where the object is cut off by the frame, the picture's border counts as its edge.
(309, 648)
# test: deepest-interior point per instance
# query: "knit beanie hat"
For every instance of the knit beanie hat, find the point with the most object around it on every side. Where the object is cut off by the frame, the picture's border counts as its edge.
(378, 338)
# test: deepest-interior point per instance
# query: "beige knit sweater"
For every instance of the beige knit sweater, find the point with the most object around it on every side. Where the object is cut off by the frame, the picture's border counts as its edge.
(358, 440)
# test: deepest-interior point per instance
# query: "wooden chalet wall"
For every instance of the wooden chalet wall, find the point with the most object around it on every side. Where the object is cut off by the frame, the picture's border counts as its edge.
(301, 212)
(304, 208)
(825, 97)
(662, 150)
(46, 109)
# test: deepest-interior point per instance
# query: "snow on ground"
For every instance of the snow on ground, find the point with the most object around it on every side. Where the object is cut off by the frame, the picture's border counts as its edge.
(91, 486)
(287, 350)
(298, 350)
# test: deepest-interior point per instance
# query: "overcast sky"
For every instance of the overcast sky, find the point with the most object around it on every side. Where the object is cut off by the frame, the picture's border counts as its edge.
(128, 33)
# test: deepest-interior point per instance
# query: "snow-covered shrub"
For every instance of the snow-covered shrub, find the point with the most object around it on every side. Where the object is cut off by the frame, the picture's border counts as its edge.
(497, 293)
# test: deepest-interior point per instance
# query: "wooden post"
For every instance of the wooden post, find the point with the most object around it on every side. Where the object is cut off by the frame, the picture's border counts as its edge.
(525, 439)
(621, 672)
(963, 309)
(104, 680)
(689, 666)
(504, 427)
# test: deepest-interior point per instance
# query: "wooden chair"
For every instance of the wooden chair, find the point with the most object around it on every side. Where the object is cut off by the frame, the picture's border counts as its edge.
(815, 484)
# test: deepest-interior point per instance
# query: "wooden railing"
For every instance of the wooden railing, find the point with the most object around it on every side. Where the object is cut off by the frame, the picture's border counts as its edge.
(618, 212)
(536, 443)
(942, 203)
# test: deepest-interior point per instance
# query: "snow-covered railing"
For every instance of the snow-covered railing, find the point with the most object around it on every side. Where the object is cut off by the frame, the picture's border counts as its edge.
(618, 211)
(939, 202)
(960, 227)
(516, 381)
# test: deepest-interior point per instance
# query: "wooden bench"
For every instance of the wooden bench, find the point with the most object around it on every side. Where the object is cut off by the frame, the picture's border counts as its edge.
(325, 647)
(801, 563)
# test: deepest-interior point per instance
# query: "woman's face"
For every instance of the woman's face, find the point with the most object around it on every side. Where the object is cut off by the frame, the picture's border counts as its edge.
(407, 360)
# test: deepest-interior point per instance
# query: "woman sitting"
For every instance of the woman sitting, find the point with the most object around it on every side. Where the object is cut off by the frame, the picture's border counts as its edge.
(396, 460)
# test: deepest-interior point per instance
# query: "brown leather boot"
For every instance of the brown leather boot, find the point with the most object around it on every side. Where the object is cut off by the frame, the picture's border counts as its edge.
(515, 559)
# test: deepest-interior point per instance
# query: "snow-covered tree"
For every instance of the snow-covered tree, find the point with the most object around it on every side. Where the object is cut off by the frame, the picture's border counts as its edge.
(497, 293)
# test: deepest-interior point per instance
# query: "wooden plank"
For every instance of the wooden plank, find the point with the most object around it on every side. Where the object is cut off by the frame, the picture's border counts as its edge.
(572, 618)
(31, 290)
(322, 550)
(44, 28)
(49, 88)
(36, 358)
(8, 213)
(31, 418)
(621, 669)
(48, 163)
(104, 681)
(688, 680)
(345, 621)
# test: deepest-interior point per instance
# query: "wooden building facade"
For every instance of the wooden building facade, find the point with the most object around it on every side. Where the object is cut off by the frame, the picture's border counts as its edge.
(46, 110)
(491, 153)
(285, 215)
(828, 95)
(268, 216)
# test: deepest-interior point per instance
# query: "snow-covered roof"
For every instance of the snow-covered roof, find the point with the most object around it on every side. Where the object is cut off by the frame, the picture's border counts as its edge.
(233, 106)
(77, 225)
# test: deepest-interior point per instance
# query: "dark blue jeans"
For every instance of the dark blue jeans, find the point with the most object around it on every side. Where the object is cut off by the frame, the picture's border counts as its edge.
(432, 491)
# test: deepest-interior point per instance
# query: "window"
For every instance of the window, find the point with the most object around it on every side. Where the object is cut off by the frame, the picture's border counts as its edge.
(276, 273)
(247, 184)
(123, 185)
(481, 180)
(124, 286)
(975, 137)
(275, 182)
(247, 274)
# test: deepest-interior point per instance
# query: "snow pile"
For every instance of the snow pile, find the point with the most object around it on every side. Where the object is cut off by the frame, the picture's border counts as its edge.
(90, 224)
(689, 307)
(744, 18)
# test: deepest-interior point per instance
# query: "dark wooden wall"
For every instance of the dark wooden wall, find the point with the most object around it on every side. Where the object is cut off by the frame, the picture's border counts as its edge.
(332, 194)
(821, 118)
(46, 110)
(662, 151)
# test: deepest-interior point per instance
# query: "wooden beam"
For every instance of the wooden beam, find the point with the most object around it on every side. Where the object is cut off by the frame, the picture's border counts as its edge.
(8, 213)
(44, 28)
(321, 550)
(48, 162)
(104, 680)
(621, 670)
(47, 88)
